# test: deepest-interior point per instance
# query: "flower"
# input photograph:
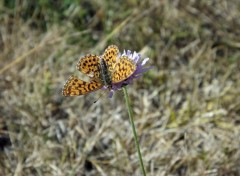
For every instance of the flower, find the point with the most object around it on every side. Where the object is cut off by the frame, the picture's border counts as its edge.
(140, 69)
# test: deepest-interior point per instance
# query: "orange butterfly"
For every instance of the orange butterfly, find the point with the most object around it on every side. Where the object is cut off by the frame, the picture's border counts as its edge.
(105, 70)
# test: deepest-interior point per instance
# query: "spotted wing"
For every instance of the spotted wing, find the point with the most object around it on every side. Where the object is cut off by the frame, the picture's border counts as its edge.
(123, 69)
(89, 65)
(75, 87)
(110, 56)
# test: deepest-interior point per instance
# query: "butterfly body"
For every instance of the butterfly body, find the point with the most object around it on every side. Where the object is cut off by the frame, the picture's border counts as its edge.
(105, 70)
(105, 74)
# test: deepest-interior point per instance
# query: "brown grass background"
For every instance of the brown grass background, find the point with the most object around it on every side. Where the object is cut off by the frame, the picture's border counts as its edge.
(186, 109)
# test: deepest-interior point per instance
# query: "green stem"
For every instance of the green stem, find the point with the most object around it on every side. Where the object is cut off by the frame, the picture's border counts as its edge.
(130, 113)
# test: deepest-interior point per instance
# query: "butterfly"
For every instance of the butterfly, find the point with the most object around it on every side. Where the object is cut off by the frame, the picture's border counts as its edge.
(105, 70)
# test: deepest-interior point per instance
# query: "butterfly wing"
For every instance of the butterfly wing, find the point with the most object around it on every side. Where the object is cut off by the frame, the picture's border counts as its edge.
(123, 69)
(75, 87)
(89, 65)
(110, 56)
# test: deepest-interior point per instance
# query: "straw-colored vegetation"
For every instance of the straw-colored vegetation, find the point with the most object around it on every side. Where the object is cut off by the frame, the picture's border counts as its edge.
(186, 110)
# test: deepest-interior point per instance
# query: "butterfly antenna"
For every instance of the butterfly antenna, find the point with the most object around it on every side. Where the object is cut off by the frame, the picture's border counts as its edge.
(95, 101)
(98, 98)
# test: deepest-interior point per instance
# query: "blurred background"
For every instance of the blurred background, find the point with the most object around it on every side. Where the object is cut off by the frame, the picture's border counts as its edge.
(186, 109)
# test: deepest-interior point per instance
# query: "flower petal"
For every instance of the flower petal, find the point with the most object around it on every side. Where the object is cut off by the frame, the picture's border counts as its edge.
(145, 61)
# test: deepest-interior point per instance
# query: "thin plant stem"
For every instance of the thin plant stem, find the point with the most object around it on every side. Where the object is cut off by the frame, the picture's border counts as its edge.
(130, 113)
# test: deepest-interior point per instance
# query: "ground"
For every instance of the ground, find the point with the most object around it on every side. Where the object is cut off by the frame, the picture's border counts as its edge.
(186, 109)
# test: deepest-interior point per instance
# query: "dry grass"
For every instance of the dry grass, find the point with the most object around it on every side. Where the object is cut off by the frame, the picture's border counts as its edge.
(187, 109)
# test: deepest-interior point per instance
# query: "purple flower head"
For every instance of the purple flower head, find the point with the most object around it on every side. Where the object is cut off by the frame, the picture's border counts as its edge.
(140, 69)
